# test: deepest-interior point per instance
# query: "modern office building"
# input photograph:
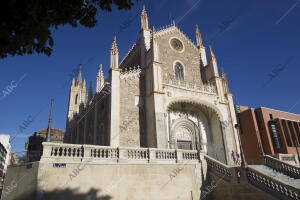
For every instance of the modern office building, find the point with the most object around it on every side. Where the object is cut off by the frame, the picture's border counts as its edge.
(3, 154)
(4, 140)
(3, 163)
(276, 131)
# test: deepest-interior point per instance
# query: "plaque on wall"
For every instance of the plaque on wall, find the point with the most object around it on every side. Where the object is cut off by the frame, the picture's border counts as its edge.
(59, 165)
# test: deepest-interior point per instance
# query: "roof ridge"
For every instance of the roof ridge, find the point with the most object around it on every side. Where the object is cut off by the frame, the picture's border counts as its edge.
(173, 27)
(129, 51)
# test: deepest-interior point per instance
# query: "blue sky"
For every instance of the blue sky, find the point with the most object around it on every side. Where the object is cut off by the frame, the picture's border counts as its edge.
(252, 40)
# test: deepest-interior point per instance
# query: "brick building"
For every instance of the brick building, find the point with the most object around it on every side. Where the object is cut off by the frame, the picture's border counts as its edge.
(277, 131)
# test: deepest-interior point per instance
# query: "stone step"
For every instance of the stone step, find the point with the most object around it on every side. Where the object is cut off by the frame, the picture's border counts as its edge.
(277, 175)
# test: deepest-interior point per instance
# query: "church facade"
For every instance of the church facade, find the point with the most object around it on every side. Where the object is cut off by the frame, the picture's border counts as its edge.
(166, 93)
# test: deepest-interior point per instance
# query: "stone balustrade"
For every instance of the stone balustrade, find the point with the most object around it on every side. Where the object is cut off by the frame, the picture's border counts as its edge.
(218, 168)
(104, 154)
(289, 158)
(64, 151)
(271, 185)
(254, 177)
(169, 80)
(282, 167)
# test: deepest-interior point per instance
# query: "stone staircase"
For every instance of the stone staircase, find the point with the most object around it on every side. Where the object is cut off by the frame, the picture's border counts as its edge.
(273, 180)
(277, 175)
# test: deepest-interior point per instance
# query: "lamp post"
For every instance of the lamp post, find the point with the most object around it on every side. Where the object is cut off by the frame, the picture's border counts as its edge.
(243, 163)
(261, 146)
(262, 153)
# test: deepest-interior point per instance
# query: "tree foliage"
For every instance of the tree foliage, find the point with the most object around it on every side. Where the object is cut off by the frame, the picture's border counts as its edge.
(25, 26)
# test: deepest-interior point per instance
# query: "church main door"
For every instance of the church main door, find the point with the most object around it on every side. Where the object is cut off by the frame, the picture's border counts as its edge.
(187, 145)
(184, 134)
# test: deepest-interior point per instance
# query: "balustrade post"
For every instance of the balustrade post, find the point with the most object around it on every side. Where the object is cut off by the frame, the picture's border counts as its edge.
(123, 155)
(179, 156)
(152, 156)
(87, 152)
(46, 150)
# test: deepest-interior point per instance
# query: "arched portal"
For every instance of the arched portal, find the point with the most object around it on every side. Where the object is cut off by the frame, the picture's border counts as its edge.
(184, 134)
(195, 126)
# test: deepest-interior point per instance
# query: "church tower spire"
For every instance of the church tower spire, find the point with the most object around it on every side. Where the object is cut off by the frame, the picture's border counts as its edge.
(198, 37)
(90, 93)
(79, 76)
(144, 19)
(100, 79)
(223, 74)
(114, 54)
(211, 54)
(213, 63)
(77, 94)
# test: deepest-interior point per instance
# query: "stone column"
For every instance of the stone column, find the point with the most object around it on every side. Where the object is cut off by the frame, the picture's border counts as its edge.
(158, 95)
(95, 142)
(226, 149)
(115, 107)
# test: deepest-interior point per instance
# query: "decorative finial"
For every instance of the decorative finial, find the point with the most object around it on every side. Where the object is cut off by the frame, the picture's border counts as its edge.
(198, 37)
(114, 47)
(173, 22)
(100, 79)
(223, 73)
(144, 19)
(114, 54)
(211, 53)
(79, 76)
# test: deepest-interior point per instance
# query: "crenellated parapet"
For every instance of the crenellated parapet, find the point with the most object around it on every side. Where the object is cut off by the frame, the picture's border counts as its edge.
(135, 71)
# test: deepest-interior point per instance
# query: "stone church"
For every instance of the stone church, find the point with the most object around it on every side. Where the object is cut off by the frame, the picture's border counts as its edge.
(166, 93)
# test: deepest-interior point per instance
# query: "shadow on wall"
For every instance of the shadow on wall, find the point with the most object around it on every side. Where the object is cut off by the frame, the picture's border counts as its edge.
(70, 195)
(206, 187)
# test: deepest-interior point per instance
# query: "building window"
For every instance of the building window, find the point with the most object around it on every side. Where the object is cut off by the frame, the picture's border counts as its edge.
(286, 133)
(297, 131)
(258, 120)
(294, 136)
(176, 44)
(271, 116)
(237, 108)
(274, 135)
(178, 68)
(76, 98)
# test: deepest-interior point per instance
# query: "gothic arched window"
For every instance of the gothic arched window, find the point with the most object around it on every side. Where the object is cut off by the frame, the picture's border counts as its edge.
(76, 98)
(178, 68)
